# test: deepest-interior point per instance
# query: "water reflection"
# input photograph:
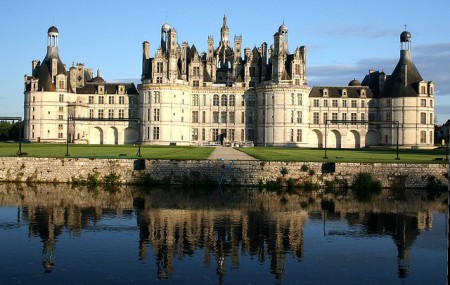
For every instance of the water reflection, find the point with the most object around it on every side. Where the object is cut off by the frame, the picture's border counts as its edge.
(176, 225)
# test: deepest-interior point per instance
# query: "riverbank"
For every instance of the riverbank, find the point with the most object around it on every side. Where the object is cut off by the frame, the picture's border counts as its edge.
(196, 172)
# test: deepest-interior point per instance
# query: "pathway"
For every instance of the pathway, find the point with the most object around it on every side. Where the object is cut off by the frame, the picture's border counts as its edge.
(229, 153)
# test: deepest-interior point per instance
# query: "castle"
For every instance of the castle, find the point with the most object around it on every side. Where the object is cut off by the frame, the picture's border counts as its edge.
(229, 95)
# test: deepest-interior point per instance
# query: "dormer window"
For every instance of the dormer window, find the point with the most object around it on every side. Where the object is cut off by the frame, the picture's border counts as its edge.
(325, 92)
(344, 92)
(363, 93)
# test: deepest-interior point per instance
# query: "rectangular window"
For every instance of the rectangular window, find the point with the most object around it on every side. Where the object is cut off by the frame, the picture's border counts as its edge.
(251, 100)
(316, 103)
(363, 104)
(354, 104)
(251, 117)
(156, 133)
(291, 135)
(158, 79)
(100, 113)
(299, 135)
(299, 117)
(159, 67)
(61, 98)
(203, 116)
(344, 103)
(325, 103)
(242, 135)
(231, 117)
(334, 103)
(111, 99)
(423, 102)
(101, 100)
(91, 99)
(423, 137)
(325, 118)
(121, 100)
(344, 116)
(389, 103)
(194, 99)
(250, 134)
(242, 117)
(61, 109)
(388, 117)
(316, 118)
(431, 119)
(292, 98)
(60, 117)
(231, 134)
(195, 83)
(156, 115)
(203, 134)
(299, 99)
(121, 114)
(223, 117)
(196, 71)
(91, 113)
(156, 97)
(194, 116)
(292, 116)
(334, 116)
(148, 115)
(110, 114)
(353, 116)
(215, 117)
(215, 134)
(195, 134)
(204, 99)
(423, 118)
(363, 116)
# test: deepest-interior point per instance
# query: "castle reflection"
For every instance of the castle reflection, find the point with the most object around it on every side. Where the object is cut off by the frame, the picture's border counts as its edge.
(174, 224)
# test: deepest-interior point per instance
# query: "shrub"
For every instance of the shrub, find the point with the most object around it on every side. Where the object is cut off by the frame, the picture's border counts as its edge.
(364, 186)
(284, 171)
(312, 172)
(434, 187)
(93, 179)
(310, 186)
(111, 179)
(304, 168)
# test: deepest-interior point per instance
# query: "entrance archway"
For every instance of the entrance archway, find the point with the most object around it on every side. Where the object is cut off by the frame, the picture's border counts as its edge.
(96, 136)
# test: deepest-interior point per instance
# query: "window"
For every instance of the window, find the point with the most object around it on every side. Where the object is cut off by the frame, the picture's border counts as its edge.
(148, 115)
(101, 100)
(292, 116)
(100, 113)
(158, 79)
(121, 114)
(223, 117)
(299, 135)
(363, 104)
(216, 100)
(388, 103)
(91, 99)
(215, 117)
(156, 133)
(215, 134)
(344, 103)
(388, 117)
(60, 126)
(131, 100)
(316, 103)
(353, 116)
(203, 116)
(251, 117)
(344, 116)
(242, 117)
(431, 137)
(363, 116)
(60, 135)
(194, 116)
(156, 97)
(111, 99)
(423, 89)
(334, 116)
(325, 118)
(203, 134)
(423, 137)
(110, 114)
(156, 115)
(196, 71)
(242, 135)
(61, 98)
(325, 103)
(431, 119)
(316, 118)
(159, 67)
(204, 100)
(299, 99)
(223, 100)
(91, 113)
(354, 104)
(292, 98)
(292, 135)
(243, 101)
(334, 103)
(61, 109)
(195, 83)
(431, 103)
(423, 102)
(195, 134)
(121, 100)
(60, 117)
(251, 100)
(232, 100)
(423, 118)
(194, 99)
(231, 117)
(61, 84)
(299, 117)
(250, 134)
(297, 69)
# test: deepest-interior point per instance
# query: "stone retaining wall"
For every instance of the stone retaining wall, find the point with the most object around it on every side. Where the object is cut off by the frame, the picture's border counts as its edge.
(251, 173)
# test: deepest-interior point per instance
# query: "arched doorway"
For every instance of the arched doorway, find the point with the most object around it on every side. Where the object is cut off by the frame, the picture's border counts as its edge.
(112, 136)
(130, 136)
(372, 138)
(96, 136)
(353, 140)
(315, 139)
(334, 139)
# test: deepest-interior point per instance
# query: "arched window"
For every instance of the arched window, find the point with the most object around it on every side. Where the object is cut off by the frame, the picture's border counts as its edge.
(223, 100)
(216, 100)
(232, 100)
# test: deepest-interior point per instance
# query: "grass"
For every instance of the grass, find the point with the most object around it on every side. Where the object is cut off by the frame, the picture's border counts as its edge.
(375, 155)
(107, 151)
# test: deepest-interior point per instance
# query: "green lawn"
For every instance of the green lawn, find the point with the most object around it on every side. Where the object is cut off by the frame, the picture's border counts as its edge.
(347, 155)
(107, 151)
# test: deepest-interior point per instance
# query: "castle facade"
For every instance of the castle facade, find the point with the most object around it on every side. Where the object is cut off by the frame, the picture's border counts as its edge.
(229, 95)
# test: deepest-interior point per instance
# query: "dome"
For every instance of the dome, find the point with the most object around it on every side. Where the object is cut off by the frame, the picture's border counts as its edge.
(165, 27)
(354, 82)
(405, 36)
(52, 29)
(283, 29)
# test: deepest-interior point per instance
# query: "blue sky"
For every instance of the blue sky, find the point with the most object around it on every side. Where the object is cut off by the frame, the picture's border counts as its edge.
(344, 39)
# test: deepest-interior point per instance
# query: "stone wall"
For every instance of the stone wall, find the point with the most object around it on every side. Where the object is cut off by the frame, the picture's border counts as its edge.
(251, 173)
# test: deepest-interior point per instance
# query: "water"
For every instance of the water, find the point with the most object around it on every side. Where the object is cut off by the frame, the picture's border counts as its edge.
(55, 234)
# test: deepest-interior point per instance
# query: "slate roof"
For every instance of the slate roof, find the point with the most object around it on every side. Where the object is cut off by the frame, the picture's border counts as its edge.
(110, 88)
(336, 92)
